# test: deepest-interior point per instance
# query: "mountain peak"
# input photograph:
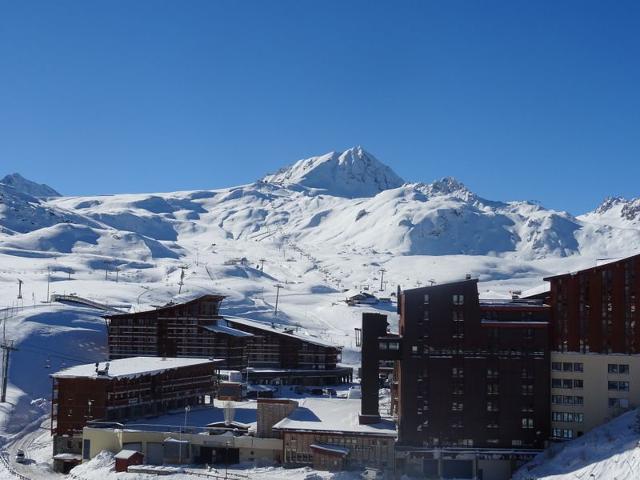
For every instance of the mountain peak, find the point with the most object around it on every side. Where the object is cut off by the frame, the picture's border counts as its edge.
(23, 185)
(628, 209)
(352, 173)
(448, 186)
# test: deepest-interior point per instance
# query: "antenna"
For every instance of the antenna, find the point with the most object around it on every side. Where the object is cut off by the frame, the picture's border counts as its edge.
(20, 282)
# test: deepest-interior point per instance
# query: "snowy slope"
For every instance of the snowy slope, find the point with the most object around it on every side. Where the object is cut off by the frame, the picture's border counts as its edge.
(609, 452)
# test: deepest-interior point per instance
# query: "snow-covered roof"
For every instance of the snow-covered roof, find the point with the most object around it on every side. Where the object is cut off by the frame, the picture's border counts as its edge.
(130, 367)
(125, 454)
(333, 415)
(244, 412)
(234, 332)
(279, 331)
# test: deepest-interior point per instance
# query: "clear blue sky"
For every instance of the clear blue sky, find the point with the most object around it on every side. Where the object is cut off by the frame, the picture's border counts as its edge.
(517, 99)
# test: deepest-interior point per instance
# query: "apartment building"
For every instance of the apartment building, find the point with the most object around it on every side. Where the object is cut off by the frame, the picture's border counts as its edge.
(268, 352)
(472, 380)
(595, 346)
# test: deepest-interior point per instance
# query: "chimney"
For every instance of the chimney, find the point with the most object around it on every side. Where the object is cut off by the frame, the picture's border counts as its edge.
(468, 276)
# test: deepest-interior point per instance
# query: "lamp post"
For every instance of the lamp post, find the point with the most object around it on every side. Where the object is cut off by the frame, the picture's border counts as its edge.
(187, 409)
(226, 459)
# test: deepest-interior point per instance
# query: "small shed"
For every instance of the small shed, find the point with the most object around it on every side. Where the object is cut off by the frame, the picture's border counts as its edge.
(126, 458)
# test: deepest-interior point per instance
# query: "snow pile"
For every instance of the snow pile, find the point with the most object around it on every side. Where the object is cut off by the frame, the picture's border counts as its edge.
(609, 452)
(352, 173)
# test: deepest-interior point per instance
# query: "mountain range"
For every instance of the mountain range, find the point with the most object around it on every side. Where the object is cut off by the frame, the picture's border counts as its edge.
(341, 199)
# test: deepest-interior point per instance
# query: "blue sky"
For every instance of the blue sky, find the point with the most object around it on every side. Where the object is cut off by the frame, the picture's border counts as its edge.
(517, 99)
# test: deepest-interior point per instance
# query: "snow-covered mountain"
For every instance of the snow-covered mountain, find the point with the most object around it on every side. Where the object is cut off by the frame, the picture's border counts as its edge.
(23, 185)
(352, 173)
(346, 200)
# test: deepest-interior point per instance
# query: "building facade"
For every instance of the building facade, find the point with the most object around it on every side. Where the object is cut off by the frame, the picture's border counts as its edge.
(595, 342)
(325, 434)
(124, 389)
(270, 353)
(472, 380)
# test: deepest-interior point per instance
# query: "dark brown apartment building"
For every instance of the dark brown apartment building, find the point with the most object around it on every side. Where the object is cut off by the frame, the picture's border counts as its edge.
(124, 389)
(271, 353)
(595, 342)
(472, 380)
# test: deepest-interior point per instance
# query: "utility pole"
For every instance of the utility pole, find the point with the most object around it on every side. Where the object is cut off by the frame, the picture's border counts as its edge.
(7, 348)
(278, 287)
(20, 282)
(181, 282)
(262, 260)
(106, 269)
(382, 270)
(48, 282)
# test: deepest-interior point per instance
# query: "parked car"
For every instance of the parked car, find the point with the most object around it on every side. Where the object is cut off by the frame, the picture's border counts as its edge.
(20, 457)
(331, 392)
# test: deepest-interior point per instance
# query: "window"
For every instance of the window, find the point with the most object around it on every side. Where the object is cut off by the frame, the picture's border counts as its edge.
(414, 349)
(567, 383)
(425, 315)
(562, 433)
(618, 385)
(615, 368)
(527, 422)
(426, 298)
(556, 366)
(578, 383)
(556, 383)
(457, 406)
(567, 367)
(618, 403)
(467, 442)
(577, 367)
(516, 443)
(527, 389)
(492, 389)
(492, 407)
(458, 299)
(567, 417)
(492, 373)
(457, 372)
(458, 316)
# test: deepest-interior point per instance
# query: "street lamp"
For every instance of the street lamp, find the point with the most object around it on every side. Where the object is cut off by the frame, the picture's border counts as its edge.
(226, 458)
(187, 409)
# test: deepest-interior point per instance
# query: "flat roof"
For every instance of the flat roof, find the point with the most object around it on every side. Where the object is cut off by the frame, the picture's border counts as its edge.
(333, 415)
(244, 412)
(130, 367)
(605, 262)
